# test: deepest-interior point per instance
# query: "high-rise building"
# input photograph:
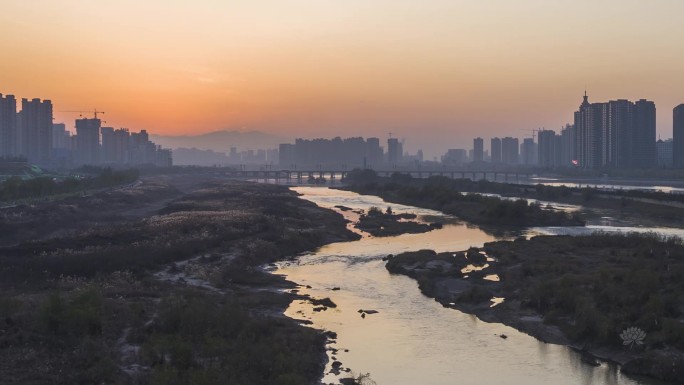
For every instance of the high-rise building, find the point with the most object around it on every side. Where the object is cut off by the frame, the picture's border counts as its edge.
(286, 155)
(454, 157)
(108, 147)
(374, 152)
(141, 150)
(664, 153)
(509, 150)
(589, 125)
(478, 150)
(567, 150)
(121, 144)
(644, 140)
(36, 130)
(62, 147)
(547, 148)
(616, 134)
(528, 151)
(495, 150)
(8, 125)
(60, 136)
(337, 153)
(394, 151)
(678, 136)
(88, 141)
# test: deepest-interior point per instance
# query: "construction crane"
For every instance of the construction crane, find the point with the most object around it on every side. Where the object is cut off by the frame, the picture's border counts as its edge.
(534, 131)
(95, 112)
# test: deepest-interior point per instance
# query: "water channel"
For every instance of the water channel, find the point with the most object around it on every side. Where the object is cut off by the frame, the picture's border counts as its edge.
(413, 339)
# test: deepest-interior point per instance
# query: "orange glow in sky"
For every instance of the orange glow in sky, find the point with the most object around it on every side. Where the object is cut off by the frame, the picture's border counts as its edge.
(430, 71)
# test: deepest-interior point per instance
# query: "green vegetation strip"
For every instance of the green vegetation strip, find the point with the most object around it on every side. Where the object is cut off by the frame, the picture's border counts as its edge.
(591, 288)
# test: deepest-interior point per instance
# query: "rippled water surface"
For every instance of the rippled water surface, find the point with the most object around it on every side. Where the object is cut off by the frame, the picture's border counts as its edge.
(413, 339)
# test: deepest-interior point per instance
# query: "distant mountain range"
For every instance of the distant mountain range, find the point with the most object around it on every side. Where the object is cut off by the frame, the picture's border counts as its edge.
(222, 141)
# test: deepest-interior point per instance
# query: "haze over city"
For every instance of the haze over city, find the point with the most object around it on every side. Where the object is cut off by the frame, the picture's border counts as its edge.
(436, 73)
(358, 192)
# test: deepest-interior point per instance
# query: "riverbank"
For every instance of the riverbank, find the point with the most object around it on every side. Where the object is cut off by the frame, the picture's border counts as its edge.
(446, 195)
(645, 208)
(581, 292)
(168, 291)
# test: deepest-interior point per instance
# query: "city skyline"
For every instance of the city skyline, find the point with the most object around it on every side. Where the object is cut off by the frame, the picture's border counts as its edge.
(311, 69)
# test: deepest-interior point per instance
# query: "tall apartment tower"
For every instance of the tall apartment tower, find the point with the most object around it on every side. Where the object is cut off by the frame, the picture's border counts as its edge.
(644, 139)
(664, 153)
(678, 136)
(478, 150)
(8, 125)
(60, 136)
(87, 141)
(528, 152)
(394, 150)
(617, 140)
(35, 129)
(374, 151)
(616, 134)
(108, 153)
(510, 150)
(121, 144)
(495, 150)
(589, 133)
(546, 149)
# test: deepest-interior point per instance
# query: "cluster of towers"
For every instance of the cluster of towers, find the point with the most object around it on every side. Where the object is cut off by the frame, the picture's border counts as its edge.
(31, 134)
(615, 134)
(349, 152)
(618, 134)
(27, 133)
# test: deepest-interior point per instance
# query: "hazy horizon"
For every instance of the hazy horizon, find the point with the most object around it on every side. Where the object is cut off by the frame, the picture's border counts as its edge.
(436, 73)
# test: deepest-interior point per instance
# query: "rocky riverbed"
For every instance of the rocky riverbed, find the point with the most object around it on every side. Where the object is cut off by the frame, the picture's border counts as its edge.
(582, 291)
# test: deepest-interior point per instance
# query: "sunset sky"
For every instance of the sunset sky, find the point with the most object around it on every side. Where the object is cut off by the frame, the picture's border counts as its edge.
(435, 72)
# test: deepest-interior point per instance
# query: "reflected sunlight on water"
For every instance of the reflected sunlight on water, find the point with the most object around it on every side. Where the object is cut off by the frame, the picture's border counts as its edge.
(413, 339)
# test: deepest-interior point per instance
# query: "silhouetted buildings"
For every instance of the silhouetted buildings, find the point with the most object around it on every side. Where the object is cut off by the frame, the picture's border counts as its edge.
(394, 151)
(141, 150)
(678, 136)
(528, 152)
(547, 149)
(616, 134)
(644, 135)
(567, 155)
(344, 153)
(495, 150)
(375, 152)
(87, 141)
(35, 130)
(60, 136)
(31, 134)
(478, 150)
(455, 157)
(509, 150)
(664, 153)
(350, 152)
(8, 123)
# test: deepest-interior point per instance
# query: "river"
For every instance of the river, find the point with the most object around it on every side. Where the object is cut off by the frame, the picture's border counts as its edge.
(413, 339)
